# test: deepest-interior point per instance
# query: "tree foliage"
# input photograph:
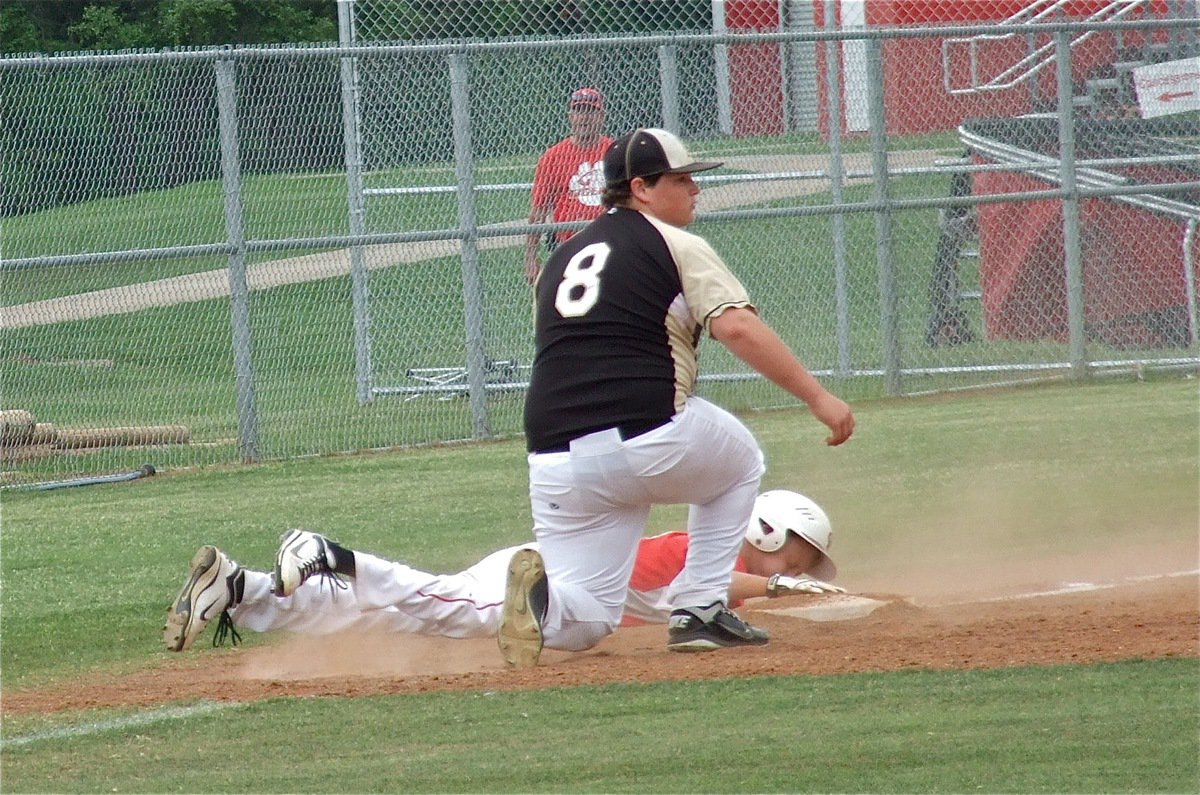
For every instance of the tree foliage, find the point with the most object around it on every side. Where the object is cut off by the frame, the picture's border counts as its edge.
(72, 25)
(117, 126)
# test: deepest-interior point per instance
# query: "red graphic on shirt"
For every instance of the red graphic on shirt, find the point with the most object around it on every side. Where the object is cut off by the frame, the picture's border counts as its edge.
(570, 179)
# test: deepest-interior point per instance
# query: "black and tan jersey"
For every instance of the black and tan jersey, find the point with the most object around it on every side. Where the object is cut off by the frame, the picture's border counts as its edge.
(620, 310)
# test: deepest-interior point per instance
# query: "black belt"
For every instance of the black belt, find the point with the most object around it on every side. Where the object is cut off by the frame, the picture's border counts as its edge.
(627, 431)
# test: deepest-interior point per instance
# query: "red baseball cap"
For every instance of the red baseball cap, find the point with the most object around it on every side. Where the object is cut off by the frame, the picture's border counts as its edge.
(586, 98)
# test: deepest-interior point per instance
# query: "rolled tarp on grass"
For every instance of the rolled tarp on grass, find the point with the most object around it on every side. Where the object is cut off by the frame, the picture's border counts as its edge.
(79, 438)
(44, 433)
(20, 432)
(16, 427)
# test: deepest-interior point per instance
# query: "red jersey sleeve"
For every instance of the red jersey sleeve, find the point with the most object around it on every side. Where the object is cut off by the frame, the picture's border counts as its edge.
(659, 560)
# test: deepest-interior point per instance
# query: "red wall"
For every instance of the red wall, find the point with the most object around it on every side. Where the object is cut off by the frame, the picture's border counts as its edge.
(1132, 265)
(755, 70)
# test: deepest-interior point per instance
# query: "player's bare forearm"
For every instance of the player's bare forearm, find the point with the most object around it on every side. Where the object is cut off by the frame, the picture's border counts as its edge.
(746, 586)
(754, 342)
(537, 215)
(532, 265)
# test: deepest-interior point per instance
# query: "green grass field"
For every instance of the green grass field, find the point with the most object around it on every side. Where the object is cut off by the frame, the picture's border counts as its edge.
(973, 479)
(1108, 728)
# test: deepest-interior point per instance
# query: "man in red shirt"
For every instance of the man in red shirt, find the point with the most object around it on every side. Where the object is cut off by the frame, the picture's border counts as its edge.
(569, 178)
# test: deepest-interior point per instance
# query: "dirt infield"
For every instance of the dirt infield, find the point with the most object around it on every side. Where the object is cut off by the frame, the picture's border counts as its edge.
(1135, 617)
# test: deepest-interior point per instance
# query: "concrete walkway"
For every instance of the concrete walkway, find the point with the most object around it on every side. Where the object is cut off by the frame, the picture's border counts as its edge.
(211, 284)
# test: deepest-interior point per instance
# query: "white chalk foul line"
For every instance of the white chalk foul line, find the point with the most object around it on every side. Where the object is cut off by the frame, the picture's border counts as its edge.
(1076, 587)
(136, 719)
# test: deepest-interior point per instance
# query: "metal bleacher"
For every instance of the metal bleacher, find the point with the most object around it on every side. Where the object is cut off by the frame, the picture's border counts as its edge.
(1100, 89)
(1110, 132)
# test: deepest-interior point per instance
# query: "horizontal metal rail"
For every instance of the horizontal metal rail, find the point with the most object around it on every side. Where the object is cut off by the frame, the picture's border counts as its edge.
(291, 52)
(1047, 168)
(942, 167)
(1112, 187)
(1099, 366)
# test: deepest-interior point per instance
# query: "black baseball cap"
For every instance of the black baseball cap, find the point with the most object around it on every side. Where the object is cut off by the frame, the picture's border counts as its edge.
(648, 151)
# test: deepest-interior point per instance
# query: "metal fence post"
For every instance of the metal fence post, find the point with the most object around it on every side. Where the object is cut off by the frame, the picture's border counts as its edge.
(1077, 355)
(801, 95)
(464, 171)
(668, 71)
(239, 291)
(721, 67)
(359, 294)
(837, 171)
(889, 314)
(1189, 281)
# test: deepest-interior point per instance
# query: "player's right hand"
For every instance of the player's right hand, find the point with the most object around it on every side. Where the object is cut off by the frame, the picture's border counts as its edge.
(782, 584)
(837, 416)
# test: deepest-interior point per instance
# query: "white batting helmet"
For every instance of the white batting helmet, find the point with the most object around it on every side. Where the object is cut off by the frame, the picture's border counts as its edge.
(777, 513)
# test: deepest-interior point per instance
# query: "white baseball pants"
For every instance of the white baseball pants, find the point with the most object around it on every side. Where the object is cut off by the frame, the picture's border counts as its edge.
(383, 595)
(590, 508)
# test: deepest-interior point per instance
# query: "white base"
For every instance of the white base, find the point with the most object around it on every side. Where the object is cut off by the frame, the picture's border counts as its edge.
(834, 607)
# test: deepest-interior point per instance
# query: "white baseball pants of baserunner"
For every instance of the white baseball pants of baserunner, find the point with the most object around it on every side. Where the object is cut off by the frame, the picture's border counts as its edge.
(590, 507)
(383, 596)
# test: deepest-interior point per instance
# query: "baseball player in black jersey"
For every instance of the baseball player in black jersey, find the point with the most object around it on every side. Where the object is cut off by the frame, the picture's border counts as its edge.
(612, 424)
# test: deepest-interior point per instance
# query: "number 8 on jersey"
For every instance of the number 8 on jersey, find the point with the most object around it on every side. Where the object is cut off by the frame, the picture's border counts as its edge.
(579, 289)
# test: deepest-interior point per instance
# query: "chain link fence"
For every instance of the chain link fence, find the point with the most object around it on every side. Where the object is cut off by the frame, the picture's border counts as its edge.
(259, 253)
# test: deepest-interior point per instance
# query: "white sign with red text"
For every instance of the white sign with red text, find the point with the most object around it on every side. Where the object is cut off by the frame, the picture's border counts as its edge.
(1165, 88)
